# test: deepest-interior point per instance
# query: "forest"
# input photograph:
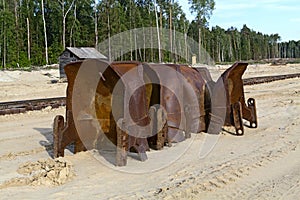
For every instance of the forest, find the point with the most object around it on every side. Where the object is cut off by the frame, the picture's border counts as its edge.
(35, 32)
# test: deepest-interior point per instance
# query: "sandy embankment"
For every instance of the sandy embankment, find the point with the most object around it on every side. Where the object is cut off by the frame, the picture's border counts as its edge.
(263, 164)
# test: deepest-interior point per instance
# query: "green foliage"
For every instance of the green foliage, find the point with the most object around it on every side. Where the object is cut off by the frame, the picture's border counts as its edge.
(114, 17)
(54, 52)
(203, 10)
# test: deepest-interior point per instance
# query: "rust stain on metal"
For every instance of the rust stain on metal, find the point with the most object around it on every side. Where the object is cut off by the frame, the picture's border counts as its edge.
(190, 102)
(230, 87)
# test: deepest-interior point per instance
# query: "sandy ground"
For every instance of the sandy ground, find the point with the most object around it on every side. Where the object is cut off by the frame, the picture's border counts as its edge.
(20, 85)
(262, 164)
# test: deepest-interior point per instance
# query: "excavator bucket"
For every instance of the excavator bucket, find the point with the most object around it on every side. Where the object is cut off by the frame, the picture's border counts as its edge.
(133, 106)
(182, 96)
(86, 109)
(227, 99)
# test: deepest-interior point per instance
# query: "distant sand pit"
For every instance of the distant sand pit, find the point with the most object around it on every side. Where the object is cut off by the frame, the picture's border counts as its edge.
(47, 172)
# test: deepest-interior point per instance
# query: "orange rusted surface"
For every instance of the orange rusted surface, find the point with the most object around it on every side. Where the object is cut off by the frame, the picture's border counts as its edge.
(103, 102)
(226, 100)
(182, 96)
(133, 106)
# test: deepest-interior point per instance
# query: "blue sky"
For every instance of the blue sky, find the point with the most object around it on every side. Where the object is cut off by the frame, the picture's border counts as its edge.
(266, 16)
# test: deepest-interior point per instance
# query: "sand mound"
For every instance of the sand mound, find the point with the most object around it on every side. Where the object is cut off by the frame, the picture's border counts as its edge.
(43, 172)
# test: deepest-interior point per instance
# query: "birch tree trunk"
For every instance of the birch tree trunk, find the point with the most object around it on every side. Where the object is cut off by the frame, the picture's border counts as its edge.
(28, 39)
(64, 20)
(144, 56)
(135, 45)
(71, 32)
(130, 33)
(17, 28)
(28, 35)
(151, 35)
(109, 42)
(161, 31)
(4, 38)
(158, 33)
(170, 32)
(199, 45)
(174, 45)
(185, 42)
(45, 33)
(96, 25)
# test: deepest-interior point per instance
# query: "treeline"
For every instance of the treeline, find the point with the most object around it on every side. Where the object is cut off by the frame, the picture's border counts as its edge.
(35, 32)
(231, 45)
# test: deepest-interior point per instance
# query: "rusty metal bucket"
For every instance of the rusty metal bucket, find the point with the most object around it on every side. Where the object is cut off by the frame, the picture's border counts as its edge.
(226, 100)
(86, 110)
(237, 109)
(108, 103)
(182, 96)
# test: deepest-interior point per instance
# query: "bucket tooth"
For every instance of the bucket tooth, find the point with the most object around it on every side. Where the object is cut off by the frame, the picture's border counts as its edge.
(58, 126)
(238, 118)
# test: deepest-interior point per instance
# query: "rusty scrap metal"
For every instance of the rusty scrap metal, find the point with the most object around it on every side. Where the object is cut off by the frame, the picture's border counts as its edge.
(191, 103)
(227, 99)
(185, 104)
(139, 105)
